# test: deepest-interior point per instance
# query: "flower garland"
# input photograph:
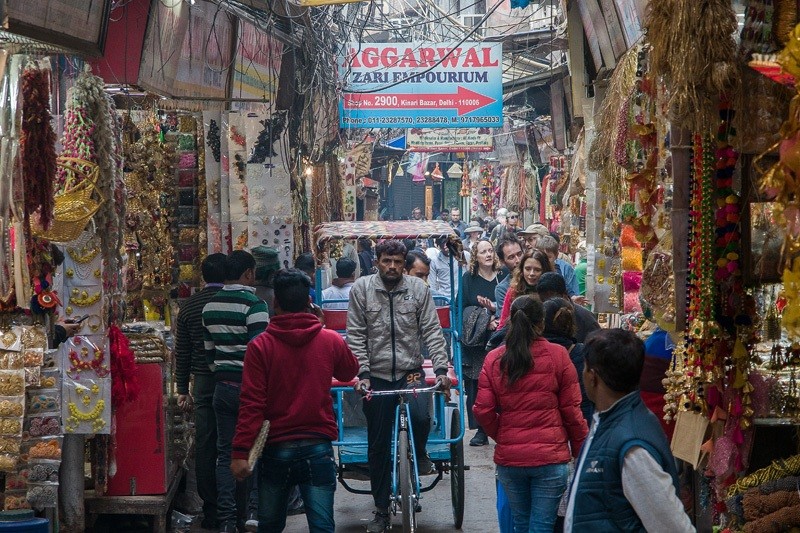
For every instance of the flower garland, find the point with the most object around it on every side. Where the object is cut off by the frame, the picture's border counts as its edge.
(37, 146)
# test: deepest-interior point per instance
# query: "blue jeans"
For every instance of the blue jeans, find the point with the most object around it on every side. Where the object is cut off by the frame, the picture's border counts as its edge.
(534, 493)
(231, 495)
(313, 468)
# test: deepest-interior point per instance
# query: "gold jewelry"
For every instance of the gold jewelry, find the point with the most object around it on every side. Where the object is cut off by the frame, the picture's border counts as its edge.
(94, 322)
(97, 273)
(68, 310)
(83, 255)
(85, 299)
(75, 291)
(9, 338)
(34, 337)
(95, 415)
(70, 272)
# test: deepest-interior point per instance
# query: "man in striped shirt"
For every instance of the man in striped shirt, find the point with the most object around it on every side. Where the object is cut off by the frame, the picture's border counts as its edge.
(190, 358)
(233, 317)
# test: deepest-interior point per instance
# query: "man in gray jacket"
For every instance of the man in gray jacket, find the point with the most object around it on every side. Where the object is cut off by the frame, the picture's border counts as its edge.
(389, 315)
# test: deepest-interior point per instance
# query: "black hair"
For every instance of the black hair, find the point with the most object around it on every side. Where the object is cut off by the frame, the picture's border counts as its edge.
(237, 263)
(551, 284)
(617, 356)
(491, 225)
(213, 268)
(559, 318)
(410, 244)
(57, 255)
(527, 315)
(305, 263)
(441, 240)
(478, 220)
(505, 241)
(364, 243)
(413, 256)
(556, 236)
(390, 247)
(345, 268)
(292, 288)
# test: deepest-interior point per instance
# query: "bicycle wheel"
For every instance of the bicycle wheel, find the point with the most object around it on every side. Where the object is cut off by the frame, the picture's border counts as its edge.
(407, 499)
(457, 470)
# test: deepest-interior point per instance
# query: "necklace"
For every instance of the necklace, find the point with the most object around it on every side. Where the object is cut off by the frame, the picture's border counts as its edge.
(94, 416)
(80, 362)
(84, 299)
(83, 255)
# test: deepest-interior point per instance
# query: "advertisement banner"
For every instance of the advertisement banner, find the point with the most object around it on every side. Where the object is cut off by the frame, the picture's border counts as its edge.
(422, 85)
(449, 140)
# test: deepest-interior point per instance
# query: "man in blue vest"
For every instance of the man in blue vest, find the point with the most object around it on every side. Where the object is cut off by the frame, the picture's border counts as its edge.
(626, 478)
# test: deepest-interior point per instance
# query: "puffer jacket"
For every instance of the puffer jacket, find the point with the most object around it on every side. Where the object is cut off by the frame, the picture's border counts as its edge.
(384, 328)
(538, 420)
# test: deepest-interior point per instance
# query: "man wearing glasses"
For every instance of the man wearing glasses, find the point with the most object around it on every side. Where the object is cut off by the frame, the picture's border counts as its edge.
(509, 229)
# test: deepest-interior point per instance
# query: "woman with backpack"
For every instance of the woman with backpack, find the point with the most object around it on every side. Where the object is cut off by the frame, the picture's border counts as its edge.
(478, 312)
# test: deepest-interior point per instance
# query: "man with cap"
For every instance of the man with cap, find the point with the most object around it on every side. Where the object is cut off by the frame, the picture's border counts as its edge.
(472, 234)
(341, 284)
(531, 234)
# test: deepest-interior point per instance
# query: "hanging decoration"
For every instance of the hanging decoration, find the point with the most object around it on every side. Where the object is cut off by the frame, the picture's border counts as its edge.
(37, 146)
(692, 46)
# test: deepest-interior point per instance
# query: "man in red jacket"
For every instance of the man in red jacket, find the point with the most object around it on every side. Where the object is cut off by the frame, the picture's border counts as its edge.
(287, 379)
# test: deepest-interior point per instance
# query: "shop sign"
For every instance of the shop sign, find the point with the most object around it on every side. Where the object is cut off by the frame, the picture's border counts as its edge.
(257, 65)
(449, 140)
(422, 85)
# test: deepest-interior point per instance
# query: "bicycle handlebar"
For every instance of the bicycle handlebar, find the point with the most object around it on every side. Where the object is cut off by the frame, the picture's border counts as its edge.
(400, 392)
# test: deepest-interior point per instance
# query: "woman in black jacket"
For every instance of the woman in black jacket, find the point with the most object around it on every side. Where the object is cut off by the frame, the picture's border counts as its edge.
(559, 328)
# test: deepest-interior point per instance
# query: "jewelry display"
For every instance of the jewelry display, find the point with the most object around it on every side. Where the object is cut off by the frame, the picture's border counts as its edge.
(16, 482)
(10, 339)
(10, 426)
(41, 472)
(12, 383)
(81, 356)
(11, 361)
(41, 496)
(33, 376)
(11, 408)
(84, 298)
(42, 426)
(49, 449)
(15, 502)
(10, 445)
(44, 401)
(85, 407)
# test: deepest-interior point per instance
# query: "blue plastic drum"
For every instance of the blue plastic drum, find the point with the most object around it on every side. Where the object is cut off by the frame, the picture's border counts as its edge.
(22, 522)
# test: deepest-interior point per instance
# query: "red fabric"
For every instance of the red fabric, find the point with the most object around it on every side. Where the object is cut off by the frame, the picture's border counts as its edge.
(287, 380)
(506, 311)
(124, 379)
(538, 420)
(655, 402)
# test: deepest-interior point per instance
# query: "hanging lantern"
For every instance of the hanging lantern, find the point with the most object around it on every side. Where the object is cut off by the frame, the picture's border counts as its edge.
(400, 171)
(454, 170)
(436, 174)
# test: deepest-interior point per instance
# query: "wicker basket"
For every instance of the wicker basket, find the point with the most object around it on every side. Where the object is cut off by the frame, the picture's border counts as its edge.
(73, 208)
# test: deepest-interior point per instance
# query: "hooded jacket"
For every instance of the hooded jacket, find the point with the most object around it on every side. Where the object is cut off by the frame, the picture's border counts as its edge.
(384, 328)
(538, 420)
(287, 380)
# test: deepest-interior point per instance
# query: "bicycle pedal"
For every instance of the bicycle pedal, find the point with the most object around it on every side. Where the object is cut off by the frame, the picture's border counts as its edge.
(418, 507)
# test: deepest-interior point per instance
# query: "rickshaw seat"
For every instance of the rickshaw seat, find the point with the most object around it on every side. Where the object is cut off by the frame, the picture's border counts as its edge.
(427, 366)
(336, 319)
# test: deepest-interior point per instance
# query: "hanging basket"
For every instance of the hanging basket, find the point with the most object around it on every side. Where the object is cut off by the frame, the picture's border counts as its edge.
(73, 208)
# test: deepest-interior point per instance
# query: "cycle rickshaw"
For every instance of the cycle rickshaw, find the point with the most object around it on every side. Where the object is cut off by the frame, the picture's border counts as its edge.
(445, 443)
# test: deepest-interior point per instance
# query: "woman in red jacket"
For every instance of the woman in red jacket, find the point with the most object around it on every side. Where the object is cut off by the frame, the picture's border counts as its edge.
(529, 403)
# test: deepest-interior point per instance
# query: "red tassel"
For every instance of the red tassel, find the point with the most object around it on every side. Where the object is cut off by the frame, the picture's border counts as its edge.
(124, 382)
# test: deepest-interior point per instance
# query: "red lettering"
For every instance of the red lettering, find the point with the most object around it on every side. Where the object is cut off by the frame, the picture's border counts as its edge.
(352, 59)
(389, 57)
(449, 56)
(370, 57)
(487, 58)
(427, 57)
(472, 59)
(409, 59)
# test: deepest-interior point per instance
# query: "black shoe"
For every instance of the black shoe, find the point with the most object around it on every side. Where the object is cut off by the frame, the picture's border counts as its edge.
(300, 509)
(480, 439)
(425, 466)
(380, 523)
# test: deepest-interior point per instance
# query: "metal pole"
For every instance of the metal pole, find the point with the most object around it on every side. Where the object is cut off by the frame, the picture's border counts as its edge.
(681, 148)
(71, 488)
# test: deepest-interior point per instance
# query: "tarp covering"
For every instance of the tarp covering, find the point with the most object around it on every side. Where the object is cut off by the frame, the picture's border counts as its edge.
(394, 229)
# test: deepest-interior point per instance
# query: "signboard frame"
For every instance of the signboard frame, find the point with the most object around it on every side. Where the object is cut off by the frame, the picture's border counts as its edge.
(421, 85)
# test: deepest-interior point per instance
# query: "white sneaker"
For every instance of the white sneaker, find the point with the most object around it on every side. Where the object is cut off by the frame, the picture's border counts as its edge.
(252, 523)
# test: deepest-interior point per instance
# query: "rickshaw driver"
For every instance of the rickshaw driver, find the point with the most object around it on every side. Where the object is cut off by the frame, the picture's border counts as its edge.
(389, 314)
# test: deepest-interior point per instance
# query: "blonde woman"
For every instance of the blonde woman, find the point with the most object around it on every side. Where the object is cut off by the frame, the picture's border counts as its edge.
(478, 305)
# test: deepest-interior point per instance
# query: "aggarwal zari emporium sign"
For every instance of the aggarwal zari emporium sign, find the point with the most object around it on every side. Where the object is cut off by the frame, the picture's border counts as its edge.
(422, 85)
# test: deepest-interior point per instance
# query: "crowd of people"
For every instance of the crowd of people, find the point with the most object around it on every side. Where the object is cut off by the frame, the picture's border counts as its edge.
(558, 395)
